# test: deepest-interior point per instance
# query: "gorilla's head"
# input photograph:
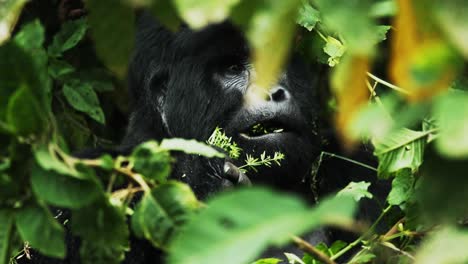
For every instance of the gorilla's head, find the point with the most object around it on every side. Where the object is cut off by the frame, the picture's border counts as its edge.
(187, 83)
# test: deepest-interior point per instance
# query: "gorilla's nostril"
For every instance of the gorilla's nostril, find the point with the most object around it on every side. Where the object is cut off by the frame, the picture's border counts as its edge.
(278, 95)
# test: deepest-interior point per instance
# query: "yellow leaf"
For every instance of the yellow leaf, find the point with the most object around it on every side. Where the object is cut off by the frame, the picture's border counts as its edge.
(349, 87)
(421, 61)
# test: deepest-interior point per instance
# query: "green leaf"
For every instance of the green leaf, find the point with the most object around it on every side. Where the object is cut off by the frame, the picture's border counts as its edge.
(101, 223)
(7, 224)
(70, 34)
(83, 98)
(151, 161)
(59, 68)
(446, 245)
(99, 79)
(217, 233)
(63, 191)
(402, 149)
(384, 8)
(293, 259)
(363, 258)
(335, 49)
(112, 28)
(24, 113)
(357, 190)
(451, 113)
(93, 252)
(166, 13)
(351, 21)
(402, 187)
(201, 13)
(268, 261)
(161, 212)
(31, 36)
(9, 13)
(190, 147)
(37, 226)
(308, 16)
(270, 33)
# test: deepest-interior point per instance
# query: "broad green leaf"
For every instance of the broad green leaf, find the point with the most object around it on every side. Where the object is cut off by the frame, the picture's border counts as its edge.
(446, 245)
(357, 190)
(201, 13)
(362, 258)
(61, 190)
(101, 223)
(384, 8)
(166, 13)
(70, 34)
(153, 162)
(37, 226)
(31, 36)
(99, 79)
(83, 98)
(402, 187)
(9, 13)
(162, 212)
(112, 28)
(270, 33)
(103, 230)
(46, 160)
(217, 233)
(24, 113)
(402, 149)
(451, 113)
(190, 147)
(7, 223)
(308, 16)
(351, 21)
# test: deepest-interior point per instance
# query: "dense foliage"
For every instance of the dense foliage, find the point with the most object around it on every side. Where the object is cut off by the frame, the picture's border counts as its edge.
(62, 88)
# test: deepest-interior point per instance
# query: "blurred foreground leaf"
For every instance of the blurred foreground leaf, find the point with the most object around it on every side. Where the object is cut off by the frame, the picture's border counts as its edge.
(218, 235)
(446, 246)
(9, 13)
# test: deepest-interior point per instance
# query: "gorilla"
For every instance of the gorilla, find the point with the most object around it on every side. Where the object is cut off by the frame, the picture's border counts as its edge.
(184, 84)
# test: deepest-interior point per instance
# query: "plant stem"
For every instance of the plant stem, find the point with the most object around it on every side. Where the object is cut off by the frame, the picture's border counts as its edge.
(366, 234)
(307, 247)
(389, 85)
(348, 160)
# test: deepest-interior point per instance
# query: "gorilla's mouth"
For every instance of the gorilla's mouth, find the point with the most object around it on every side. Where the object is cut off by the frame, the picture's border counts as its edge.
(268, 127)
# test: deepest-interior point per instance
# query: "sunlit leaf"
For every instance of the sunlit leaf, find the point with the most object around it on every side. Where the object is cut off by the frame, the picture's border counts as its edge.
(37, 226)
(270, 32)
(357, 190)
(9, 13)
(335, 49)
(451, 112)
(446, 246)
(31, 36)
(217, 233)
(402, 149)
(200, 13)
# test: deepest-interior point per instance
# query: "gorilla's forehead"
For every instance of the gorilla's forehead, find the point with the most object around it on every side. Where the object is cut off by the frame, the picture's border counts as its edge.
(214, 41)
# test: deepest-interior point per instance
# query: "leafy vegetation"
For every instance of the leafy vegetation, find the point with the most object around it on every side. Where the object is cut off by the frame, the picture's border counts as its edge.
(62, 88)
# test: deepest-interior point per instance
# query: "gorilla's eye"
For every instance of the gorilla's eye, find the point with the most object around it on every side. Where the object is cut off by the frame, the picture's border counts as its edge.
(235, 69)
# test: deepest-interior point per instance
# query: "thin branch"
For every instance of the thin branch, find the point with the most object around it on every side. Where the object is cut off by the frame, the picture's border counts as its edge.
(389, 85)
(348, 160)
(307, 247)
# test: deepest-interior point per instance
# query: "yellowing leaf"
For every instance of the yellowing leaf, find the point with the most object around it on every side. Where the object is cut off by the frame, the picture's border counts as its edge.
(349, 87)
(421, 61)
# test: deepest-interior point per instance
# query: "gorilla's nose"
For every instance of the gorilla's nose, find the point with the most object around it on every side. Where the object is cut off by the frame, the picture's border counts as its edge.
(278, 94)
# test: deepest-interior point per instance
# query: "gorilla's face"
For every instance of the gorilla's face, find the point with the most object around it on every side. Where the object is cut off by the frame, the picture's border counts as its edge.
(197, 81)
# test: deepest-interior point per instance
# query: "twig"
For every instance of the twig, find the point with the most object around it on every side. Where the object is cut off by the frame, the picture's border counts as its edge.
(366, 234)
(394, 228)
(136, 177)
(348, 160)
(389, 85)
(307, 247)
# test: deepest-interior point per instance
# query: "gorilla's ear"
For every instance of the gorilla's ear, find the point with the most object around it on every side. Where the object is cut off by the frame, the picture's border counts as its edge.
(153, 46)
